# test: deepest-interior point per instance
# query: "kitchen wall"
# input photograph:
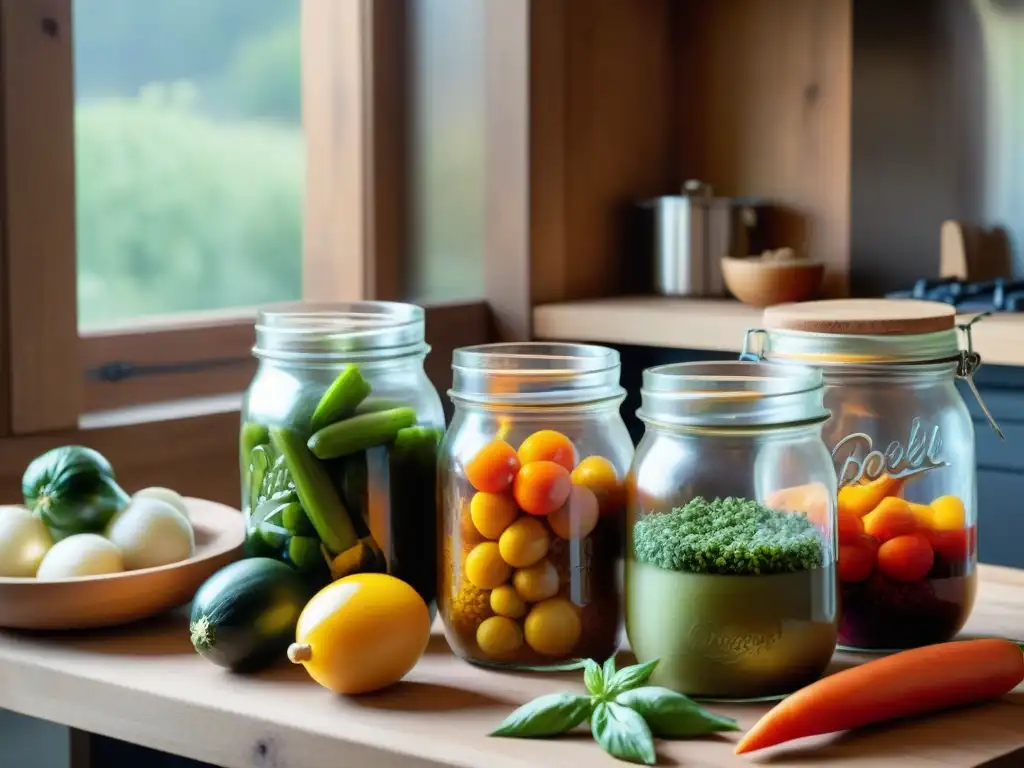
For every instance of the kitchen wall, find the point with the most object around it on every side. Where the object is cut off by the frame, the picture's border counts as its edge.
(937, 132)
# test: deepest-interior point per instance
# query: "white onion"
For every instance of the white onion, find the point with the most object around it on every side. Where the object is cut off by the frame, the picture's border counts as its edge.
(24, 541)
(172, 497)
(84, 554)
(150, 533)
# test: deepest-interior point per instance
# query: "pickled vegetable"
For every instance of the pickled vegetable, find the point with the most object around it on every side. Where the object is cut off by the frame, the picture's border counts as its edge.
(360, 433)
(321, 502)
(341, 398)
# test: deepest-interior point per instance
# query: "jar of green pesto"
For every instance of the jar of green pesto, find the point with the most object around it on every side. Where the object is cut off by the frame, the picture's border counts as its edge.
(730, 575)
(338, 446)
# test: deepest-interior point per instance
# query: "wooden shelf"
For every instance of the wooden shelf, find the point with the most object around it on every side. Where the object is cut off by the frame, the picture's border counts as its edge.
(144, 684)
(717, 325)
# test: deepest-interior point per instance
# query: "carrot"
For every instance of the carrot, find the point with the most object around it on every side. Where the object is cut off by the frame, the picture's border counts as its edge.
(905, 684)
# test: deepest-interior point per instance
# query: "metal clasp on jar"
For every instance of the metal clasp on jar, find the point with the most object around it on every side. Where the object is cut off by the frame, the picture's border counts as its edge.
(754, 343)
(970, 362)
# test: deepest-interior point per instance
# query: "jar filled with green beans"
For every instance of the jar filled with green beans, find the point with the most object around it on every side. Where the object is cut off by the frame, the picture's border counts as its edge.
(338, 445)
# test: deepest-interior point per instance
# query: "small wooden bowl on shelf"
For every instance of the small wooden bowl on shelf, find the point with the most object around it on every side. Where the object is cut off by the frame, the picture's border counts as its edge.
(775, 277)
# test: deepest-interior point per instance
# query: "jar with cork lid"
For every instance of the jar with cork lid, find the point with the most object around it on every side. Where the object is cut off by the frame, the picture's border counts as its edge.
(532, 476)
(903, 447)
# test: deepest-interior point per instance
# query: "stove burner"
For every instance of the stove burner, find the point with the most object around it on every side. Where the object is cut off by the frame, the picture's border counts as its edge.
(1000, 295)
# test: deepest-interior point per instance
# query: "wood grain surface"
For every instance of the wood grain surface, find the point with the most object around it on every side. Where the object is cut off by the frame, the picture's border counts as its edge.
(145, 685)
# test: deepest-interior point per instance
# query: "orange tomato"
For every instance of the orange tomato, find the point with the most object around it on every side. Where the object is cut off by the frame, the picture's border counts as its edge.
(891, 518)
(850, 527)
(906, 558)
(493, 468)
(548, 445)
(541, 487)
(598, 474)
(577, 518)
(855, 562)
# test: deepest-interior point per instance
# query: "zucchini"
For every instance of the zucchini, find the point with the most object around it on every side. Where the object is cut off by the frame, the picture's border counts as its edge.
(317, 495)
(73, 490)
(360, 433)
(341, 398)
(244, 615)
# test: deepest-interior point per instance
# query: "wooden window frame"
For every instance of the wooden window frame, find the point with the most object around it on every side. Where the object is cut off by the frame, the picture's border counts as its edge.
(180, 428)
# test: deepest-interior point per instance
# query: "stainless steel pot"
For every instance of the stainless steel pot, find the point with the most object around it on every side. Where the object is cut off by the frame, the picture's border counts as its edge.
(691, 232)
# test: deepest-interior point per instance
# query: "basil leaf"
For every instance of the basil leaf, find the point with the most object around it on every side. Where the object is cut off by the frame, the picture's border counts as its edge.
(622, 733)
(547, 715)
(609, 668)
(671, 715)
(593, 678)
(629, 677)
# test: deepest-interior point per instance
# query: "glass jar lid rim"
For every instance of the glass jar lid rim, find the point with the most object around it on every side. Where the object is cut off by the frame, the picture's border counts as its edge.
(732, 394)
(535, 373)
(355, 330)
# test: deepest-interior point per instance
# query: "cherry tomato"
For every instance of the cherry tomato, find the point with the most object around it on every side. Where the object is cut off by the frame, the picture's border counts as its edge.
(548, 445)
(891, 518)
(577, 518)
(855, 562)
(541, 487)
(954, 546)
(598, 474)
(493, 468)
(850, 527)
(906, 558)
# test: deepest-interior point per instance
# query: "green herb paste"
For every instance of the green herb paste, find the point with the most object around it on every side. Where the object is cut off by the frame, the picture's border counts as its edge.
(728, 536)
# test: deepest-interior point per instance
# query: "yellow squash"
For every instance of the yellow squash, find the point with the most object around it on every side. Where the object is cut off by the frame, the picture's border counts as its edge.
(361, 633)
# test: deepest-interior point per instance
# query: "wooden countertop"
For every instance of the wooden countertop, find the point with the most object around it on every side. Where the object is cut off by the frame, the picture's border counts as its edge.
(717, 325)
(145, 685)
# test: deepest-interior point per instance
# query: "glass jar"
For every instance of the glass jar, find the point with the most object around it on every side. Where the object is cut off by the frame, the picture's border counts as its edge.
(338, 447)
(532, 472)
(731, 550)
(902, 442)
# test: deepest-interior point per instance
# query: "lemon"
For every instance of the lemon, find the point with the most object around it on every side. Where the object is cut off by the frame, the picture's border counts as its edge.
(505, 601)
(361, 633)
(524, 542)
(553, 627)
(484, 567)
(499, 636)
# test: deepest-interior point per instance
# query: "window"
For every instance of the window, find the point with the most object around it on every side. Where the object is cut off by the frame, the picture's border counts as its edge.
(189, 156)
(167, 167)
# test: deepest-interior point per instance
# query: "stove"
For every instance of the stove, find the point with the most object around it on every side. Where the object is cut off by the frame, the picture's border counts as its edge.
(1000, 295)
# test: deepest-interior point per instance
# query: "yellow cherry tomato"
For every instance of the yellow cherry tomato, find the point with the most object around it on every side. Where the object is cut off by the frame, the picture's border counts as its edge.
(361, 633)
(524, 542)
(499, 636)
(492, 513)
(553, 627)
(948, 514)
(536, 583)
(484, 567)
(505, 601)
(598, 474)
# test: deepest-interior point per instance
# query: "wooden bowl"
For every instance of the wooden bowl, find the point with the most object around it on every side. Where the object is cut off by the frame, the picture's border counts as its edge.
(119, 598)
(763, 282)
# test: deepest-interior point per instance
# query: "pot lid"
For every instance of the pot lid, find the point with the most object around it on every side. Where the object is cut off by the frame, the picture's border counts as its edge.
(862, 317)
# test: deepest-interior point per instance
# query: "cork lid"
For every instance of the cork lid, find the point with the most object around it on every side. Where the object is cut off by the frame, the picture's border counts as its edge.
(862, 317)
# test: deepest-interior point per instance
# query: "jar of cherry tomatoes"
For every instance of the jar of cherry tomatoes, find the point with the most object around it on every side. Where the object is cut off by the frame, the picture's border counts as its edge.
(532, 472)
(902, 443)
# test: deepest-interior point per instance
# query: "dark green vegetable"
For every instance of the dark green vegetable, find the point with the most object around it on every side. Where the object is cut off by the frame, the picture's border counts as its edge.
(730, 535)
(340, 400)
(354, 484)
(360, 433)
(260, 462)
(304, 553)
(251, 435)
(73, 490)
(317, 495)
(244, 615)
(624, 717)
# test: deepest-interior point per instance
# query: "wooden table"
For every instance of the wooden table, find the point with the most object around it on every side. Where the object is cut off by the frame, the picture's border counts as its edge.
(145, 685)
